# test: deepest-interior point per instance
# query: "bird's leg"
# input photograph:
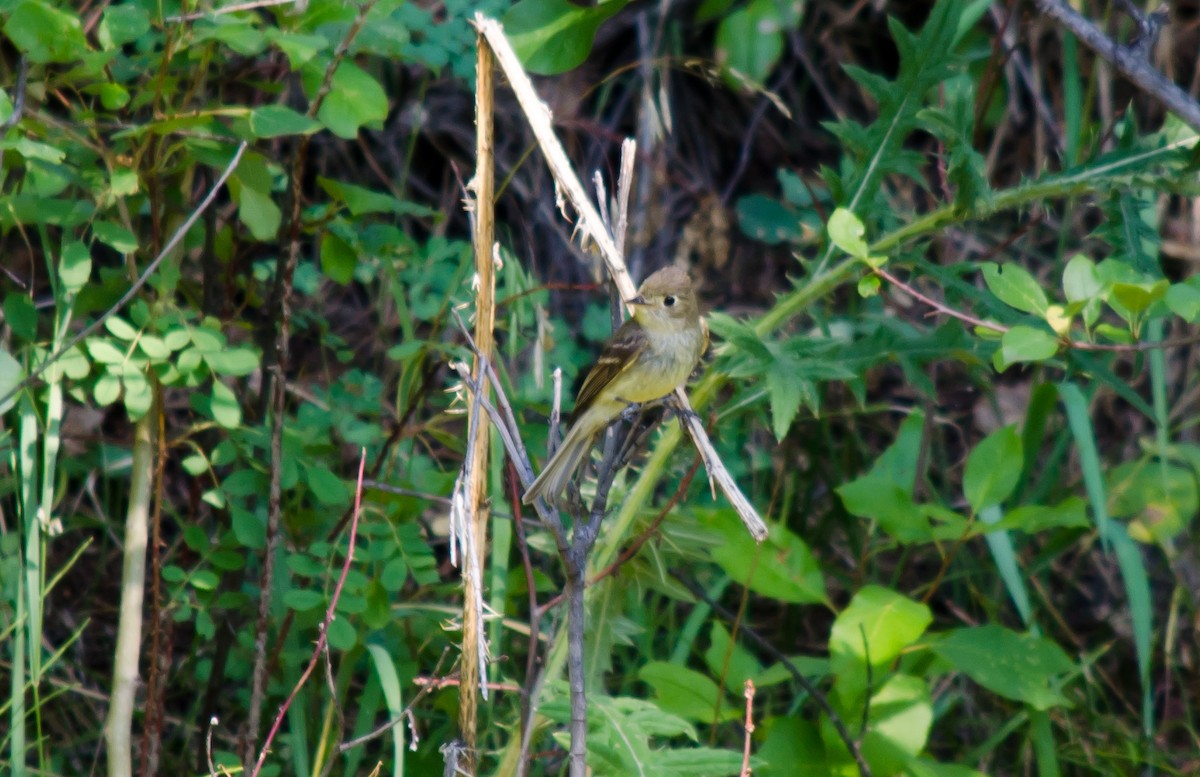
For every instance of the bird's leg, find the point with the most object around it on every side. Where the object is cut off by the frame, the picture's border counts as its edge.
(681, 412)
(632, 411)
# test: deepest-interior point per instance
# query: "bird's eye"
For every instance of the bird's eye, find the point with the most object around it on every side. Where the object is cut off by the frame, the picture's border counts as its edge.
(668, 300)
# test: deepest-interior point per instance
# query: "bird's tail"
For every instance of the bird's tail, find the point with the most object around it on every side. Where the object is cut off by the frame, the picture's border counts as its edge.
(562, 465)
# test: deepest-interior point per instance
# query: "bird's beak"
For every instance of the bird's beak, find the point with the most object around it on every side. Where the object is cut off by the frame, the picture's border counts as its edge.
(638, 300)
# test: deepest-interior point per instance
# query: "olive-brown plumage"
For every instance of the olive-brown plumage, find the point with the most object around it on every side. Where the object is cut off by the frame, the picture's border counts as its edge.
(648, 357)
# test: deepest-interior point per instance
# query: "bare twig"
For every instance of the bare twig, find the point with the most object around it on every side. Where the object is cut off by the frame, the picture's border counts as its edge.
(1077, 345)
(323, 634)
(749, 694)
(592, 224)
(1128, 62)
(18, 108)
(482, 207)
(274, 391)
(775, 653)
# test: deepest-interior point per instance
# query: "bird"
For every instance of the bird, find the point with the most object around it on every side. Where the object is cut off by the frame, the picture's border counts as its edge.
(648, 357)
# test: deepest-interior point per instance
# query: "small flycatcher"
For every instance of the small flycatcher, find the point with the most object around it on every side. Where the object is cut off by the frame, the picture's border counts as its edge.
(649, 356)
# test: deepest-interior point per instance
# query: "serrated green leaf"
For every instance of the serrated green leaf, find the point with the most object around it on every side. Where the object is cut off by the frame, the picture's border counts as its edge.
(784, 390)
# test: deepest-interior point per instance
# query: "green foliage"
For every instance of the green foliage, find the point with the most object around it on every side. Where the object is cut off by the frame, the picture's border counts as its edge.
(553, 36)
(968, 543)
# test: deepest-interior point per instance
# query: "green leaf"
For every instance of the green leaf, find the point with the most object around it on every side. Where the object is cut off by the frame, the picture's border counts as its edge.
(225, 408)
(866, 638)
(122, 24)
(846, 231)
(394, 574)
(993, 469)
(750, 40)
(75, 267)
(784, 390)
(885, 493)
(21, 317)
(898, 723)
(686, 693)
(553, 36)
(728, 659)
(875, 497)
(154, 347)
(1015, 287)
(237, 33)
(362, 201)
(120, 329)
(1020, 667)
(768, 220)
(1081, 281)
(11, 375)
(302, 599)
(106, 389)
(298, 48)
(105, 352)
(327, 487)
(793, 574)
(44, 33)
(338, 259)
(248, 528)
(356, 100)
(1138, 297)
(1184, 300)
(234, 362)
(139, 397)
(251, 187)
(876, 625)
(1071, 513)
(116, 236)
(273, 121)
(922, 767)
(115, 97)
(1027, 344)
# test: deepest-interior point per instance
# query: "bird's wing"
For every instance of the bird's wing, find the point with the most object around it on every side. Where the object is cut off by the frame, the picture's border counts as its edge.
(617, 357)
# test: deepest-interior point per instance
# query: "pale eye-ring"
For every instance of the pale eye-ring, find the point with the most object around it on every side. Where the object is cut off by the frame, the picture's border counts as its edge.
(668, 300)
